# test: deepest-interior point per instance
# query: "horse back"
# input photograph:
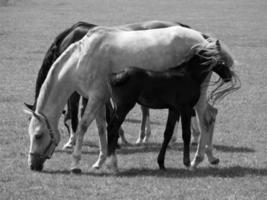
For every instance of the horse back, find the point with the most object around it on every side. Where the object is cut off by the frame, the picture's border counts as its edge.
(156, 49)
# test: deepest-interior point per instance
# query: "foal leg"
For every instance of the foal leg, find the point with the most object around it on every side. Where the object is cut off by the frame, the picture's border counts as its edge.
(101, 125)
(212, 112)
(145, 131)
(109, 115)
(93, 106)
(172, 117)
(113, 127)
(186, 134)
(73, 104)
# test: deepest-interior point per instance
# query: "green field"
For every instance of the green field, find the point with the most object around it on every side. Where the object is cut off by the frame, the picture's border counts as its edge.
(28, 27)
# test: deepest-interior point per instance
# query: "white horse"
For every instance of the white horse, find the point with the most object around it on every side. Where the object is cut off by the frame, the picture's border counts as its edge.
(86, 67)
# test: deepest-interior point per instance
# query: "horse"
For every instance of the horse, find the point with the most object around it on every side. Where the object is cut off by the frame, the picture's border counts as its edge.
(61, 42)
(86, 67)
(177, 89)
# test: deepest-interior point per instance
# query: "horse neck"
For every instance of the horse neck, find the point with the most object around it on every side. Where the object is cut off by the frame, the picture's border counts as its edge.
(54, 95)
(54, 51)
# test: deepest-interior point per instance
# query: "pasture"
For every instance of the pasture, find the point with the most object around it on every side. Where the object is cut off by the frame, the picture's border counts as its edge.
(28, 27)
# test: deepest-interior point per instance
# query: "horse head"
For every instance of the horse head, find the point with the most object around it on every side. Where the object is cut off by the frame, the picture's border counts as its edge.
(217, 58)
(43, 140)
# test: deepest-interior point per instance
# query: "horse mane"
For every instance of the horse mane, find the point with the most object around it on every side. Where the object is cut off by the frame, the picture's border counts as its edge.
(52, 74)
(52, 54)
(217, 51)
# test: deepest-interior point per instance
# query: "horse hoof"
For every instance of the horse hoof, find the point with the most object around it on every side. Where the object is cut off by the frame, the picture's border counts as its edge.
(187, 164)
(162, 168)
(67, 147)
(126, 143)
(76, 171)
(112, 169)
(215, 162)
(192, 168)
(95, 167)
(138, 142)
(196, 161)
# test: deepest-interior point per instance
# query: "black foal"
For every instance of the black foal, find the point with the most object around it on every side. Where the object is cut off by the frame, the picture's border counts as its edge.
(177, 89)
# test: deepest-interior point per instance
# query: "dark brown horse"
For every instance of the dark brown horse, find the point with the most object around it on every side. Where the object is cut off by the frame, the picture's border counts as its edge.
(177, 89)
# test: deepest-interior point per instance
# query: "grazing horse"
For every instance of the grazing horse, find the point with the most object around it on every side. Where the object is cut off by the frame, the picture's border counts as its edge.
(61, 42)
(177, 89)
(86, 67)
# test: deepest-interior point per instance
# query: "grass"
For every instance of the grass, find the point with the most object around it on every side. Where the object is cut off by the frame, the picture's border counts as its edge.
(27, 28)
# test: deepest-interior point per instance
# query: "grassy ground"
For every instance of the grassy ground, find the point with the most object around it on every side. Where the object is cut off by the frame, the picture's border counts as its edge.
(27, 28)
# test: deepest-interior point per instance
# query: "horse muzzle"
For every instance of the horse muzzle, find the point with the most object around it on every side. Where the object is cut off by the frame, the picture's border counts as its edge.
(36, 163)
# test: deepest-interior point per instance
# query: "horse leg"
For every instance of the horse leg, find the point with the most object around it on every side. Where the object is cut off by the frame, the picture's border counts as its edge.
(73, 104)
(109, 115)
(172, 117)
(145, 131)
(101, 125)
(175, 134)
(83, 106)
(194, 128)
(148, 127)
(186, 134)
(212, 160)
(93, 106)
(66, 119)
(206, 122)
(113, 135)
(201, 111)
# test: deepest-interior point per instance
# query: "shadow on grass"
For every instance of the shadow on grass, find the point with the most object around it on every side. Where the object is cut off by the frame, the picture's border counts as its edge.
(155, 147)
(226, 172)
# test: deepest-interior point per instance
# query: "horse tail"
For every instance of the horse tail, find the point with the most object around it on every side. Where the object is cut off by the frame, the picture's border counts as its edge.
(222, 88)
(53, 53)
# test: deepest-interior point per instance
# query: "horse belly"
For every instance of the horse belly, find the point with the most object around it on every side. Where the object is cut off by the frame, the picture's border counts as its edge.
(157, 97)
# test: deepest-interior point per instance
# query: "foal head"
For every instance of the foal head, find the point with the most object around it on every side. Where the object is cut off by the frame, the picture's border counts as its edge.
(43, 140)
(217, 58)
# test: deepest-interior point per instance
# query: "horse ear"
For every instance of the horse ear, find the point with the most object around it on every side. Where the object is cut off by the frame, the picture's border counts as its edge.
(29, 106)
(29, 110)
(218, 44)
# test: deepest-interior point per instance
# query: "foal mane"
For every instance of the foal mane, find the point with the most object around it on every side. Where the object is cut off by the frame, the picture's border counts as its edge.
(215, 52)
